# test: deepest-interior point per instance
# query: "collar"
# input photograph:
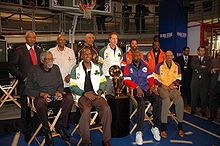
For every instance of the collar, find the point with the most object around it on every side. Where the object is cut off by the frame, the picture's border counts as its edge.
(29, 47)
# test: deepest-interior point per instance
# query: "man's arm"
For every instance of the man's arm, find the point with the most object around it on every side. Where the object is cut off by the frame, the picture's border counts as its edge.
(14, 59)
(73, 83)
(31, 88)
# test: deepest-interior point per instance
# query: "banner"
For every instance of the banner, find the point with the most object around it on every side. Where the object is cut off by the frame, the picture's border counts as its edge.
(172, 25)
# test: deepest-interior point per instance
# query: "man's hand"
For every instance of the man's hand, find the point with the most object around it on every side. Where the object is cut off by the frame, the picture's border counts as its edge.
(140, 93)
(172, 86)
(153, 89)
(165, 87)
(46, 96)
(90, 95)
(67, 78)
(59, 95)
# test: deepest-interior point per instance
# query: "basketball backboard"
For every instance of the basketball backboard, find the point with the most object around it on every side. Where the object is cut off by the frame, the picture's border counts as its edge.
(102, 7)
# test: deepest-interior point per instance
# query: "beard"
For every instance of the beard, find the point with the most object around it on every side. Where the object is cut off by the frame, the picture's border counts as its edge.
(49, 64)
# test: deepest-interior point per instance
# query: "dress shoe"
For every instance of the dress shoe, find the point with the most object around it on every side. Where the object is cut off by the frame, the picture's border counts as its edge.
(181, 133)
(163, 134)
(63, 134)
(49, 139)
(106, 143)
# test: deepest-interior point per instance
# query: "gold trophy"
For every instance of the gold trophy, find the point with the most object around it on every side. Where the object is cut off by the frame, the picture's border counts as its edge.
(119, 88)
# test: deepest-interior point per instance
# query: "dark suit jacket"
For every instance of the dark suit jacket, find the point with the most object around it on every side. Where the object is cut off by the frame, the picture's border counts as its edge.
(186, 73)
(198, 70)
(141, 10)
(21, 61)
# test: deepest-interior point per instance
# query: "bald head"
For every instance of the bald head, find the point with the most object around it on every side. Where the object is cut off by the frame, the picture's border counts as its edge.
(136, 56)
(89, 39)
(169, 56)
(61, 41)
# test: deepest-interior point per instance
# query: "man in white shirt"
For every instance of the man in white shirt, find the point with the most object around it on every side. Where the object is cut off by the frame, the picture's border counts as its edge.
(65, 58)
(108, 56)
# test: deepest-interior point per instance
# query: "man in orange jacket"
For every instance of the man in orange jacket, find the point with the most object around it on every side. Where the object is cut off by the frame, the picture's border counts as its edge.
(155, 56)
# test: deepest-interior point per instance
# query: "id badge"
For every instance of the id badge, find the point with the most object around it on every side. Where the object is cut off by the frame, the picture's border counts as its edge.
(185, 67)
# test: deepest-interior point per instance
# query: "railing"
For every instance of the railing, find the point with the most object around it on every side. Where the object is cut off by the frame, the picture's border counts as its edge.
(20, 19)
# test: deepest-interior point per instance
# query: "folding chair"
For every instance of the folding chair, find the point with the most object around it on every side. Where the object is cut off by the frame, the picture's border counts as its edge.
(51, 125)
(147, 108)
(7, 90)
(94, 115)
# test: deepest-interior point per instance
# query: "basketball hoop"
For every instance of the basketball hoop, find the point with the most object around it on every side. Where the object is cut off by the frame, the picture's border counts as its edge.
(87, 6)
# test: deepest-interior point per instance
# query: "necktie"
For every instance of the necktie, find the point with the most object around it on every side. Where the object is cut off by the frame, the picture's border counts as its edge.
(33, 57)
(200, 60)
(186, 59)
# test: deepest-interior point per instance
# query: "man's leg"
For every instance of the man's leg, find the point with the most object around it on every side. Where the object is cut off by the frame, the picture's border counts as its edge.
(204, 95)
(41, 108)
(106, 117)
(85, 106)
(156, 102)
(165, 95)
(179, 106)
(67, 105)
(194, 95)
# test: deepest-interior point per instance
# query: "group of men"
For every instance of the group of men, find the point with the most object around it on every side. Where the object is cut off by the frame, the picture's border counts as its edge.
(53, 76)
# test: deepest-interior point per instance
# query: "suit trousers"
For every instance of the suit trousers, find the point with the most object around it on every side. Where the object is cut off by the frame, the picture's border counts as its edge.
(105, 115)
(199, 89)
(177, 99)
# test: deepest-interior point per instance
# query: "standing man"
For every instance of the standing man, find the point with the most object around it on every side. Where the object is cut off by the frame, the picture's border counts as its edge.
(89, 43)
(127, 58)
(167, 76)
(88, 82)
(137, 77)
(214, 97)
(126, 12)
(200, 80)
(65, 58)
(141, 12)
(155, 56)
(23, 58)
(108, 56)
(45, 83)
(185, 65)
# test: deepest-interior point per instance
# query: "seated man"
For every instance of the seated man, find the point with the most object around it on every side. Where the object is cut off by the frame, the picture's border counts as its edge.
(88, 82)
(167, 76)
(136, 76)
(45, 83)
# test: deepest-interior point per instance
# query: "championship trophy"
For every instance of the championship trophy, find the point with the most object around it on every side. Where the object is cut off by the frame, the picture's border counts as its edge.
(119, 88)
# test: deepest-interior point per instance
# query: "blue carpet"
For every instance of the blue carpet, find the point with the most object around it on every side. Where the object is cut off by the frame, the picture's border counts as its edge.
(199, 138)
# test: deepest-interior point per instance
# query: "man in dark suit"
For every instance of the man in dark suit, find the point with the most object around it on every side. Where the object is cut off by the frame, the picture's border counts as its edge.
(140, 13)
(214, 92)
(184, 61)
(23, 58)
(200, 80)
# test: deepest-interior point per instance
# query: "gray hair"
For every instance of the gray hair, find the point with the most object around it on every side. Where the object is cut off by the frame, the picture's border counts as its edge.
(28, 32)
(43, 55)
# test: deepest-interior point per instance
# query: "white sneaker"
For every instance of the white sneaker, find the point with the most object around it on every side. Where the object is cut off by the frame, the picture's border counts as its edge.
(139, 139)
(156, 133)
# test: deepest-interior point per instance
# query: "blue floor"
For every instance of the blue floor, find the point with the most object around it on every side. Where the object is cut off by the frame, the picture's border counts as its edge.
(198, 137)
